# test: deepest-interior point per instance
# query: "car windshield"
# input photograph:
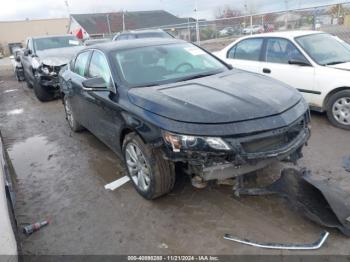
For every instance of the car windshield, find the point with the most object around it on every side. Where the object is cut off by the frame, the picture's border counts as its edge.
(325, 49)
(55, 42)
(161, 64)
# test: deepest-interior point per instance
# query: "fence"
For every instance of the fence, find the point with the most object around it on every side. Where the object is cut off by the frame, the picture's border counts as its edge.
(334, 19)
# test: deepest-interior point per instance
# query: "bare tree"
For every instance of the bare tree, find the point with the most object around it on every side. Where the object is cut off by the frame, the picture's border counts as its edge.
(227, 12)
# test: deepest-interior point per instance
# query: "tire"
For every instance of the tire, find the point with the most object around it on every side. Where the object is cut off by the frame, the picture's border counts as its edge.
(41, 93)
(161, 173)
(29, 85)
(72, 122)
(338, 109)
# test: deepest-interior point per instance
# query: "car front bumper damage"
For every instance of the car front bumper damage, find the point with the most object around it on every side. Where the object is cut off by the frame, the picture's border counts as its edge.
(249, 153)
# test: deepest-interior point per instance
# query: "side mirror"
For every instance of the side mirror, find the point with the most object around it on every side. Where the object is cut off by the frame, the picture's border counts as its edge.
(230, 67)
(300, 62)
(95, 84)
(27, 52)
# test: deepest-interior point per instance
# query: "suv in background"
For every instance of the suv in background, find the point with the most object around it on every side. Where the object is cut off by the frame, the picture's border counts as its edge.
(43, 58)
(141, 34)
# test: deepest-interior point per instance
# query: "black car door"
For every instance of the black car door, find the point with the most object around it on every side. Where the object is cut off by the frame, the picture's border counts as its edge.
(78, 75)
(105, 118)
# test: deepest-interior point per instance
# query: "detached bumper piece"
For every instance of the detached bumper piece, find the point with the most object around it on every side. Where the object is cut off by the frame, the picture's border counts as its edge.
(312, 246)
(319, 201)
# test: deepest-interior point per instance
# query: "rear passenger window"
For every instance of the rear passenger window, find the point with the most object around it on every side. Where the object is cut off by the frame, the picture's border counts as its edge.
(80, 63)
(248, 49)
(125, 37)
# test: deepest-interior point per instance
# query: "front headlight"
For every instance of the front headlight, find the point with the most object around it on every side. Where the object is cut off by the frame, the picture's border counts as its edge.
(45, 70)
(194, 143)
(35, 63)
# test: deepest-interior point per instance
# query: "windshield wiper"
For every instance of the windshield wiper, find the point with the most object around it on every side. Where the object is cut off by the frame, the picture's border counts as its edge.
(336, 63)
(197, 76)
(148, 85)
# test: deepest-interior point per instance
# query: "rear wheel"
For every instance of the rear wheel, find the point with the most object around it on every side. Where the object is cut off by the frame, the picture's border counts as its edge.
(41, 92)
(72, 122)
(338, 109)
(151, 175)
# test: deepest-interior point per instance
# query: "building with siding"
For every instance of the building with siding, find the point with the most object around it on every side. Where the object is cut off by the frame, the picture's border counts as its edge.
(14, 33)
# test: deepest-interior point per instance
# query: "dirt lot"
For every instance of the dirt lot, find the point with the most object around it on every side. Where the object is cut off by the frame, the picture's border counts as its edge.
(61, 175)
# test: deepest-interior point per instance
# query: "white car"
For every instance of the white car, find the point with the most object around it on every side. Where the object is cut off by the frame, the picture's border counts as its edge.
(255, 29)
(315, 63)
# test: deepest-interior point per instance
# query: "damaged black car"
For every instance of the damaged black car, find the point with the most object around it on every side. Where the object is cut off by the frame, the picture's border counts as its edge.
(164, 104)
(42, 60)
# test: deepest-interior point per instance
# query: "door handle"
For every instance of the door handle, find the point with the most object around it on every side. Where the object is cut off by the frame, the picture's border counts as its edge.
(267, 71)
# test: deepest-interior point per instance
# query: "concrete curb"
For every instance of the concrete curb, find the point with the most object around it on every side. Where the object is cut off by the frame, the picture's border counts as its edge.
(8, 244)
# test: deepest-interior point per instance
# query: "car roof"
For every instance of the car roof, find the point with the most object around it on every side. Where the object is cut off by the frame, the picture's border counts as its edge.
(134, 43)
(142, 31)
(50, 36)
(286, 34)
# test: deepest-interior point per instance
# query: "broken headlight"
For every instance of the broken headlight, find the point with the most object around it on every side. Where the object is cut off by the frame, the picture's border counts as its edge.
(47, 70)
(35, 63)
(194, 143)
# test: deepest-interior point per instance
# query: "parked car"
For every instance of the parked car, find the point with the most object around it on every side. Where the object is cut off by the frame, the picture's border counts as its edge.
(255, 29)
(16, 63)
(227, 31)
(90, 42)
(315, 63)
(161, 103)
(43, 58)
(127, 35)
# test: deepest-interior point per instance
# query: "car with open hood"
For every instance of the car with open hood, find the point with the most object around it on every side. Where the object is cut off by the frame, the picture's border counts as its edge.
(43, 58)
(163, 105)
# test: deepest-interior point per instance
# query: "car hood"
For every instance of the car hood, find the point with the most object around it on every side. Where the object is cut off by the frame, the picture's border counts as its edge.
(58, 56)
(343, 66)
(223, 98)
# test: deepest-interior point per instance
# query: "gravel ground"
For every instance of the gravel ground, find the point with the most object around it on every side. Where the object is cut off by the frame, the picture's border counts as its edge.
(61, 175)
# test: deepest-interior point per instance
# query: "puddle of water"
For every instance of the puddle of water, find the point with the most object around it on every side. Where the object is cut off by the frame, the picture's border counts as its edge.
(15, 112)
(10, 91)
(33, 152)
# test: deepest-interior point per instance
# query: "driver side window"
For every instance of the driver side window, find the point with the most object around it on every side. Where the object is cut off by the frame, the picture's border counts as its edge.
(99, 67)
(80, 63)
(282, 51)
(30, 45)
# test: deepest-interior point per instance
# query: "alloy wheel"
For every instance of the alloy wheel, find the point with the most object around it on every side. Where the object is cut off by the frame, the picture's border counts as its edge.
(341, 110)
(138, 167)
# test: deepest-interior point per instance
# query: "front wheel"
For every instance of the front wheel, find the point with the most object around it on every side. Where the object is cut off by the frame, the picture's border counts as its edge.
(151, 175)
(338, 109)
(41, 92)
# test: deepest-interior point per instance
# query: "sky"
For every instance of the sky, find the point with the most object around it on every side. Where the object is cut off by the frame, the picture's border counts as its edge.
(39, 9)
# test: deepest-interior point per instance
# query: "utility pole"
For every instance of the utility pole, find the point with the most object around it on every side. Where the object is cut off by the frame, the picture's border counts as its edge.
(123, 20)
(189, 29)
(67, 6)
(286, 18)
(197, 23)
(246, 12)
(109, 25)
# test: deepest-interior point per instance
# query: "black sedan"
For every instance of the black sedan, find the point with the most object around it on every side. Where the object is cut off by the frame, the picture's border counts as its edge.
(166, 103)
